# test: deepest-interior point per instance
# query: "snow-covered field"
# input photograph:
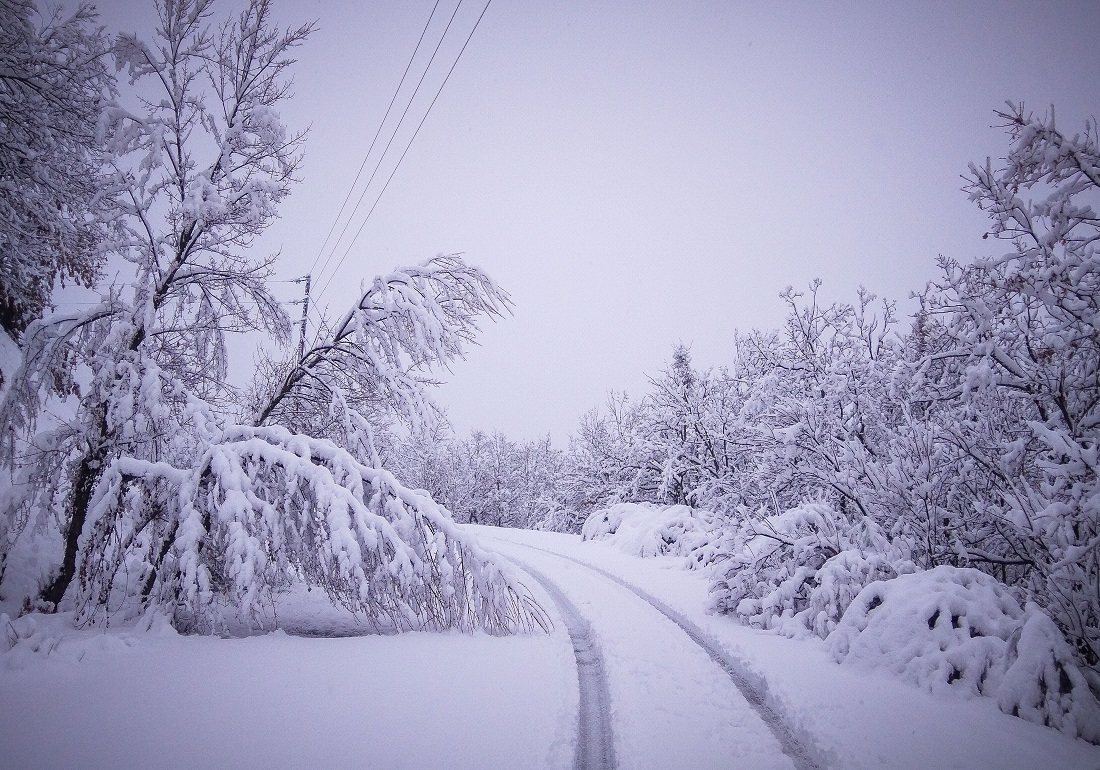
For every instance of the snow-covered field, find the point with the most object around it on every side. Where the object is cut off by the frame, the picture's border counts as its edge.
(282, 701)
(124, 699)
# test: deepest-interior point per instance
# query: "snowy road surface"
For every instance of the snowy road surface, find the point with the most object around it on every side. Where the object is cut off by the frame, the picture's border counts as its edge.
(671, 707)
(800, 749)
(844, 716)
(117, 699)
(595, 747)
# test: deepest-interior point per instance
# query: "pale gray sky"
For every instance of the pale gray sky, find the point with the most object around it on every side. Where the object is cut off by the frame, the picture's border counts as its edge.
(639, 174)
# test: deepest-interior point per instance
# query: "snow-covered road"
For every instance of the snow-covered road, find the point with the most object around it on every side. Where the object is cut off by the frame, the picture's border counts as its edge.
(110, 698)
(833, 716)
(594, 744)
(798, 748)
(671, 705)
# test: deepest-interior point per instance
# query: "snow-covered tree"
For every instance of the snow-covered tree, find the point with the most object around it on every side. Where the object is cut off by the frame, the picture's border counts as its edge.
(203, 160)
(1023, 368)
(378, 361)
(54, 81)
(162, 499)
(819, 408)
(694, 421)
(612, 458)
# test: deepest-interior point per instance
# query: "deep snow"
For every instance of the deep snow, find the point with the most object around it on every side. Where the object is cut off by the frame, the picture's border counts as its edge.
(857, 717)
(117, 698)
(414, 700)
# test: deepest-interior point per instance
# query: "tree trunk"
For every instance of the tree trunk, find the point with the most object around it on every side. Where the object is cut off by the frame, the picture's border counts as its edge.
(87, 474)
(91, 465)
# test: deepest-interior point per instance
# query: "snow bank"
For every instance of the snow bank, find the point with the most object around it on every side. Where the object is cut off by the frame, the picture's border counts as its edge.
(798, 572)
(26, 641)
(952, 629)
(113, 700)
(642, 529)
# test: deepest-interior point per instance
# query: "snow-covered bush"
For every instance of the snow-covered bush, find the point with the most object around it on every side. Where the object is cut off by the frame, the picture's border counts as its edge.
(798, 571)
(958, 629)
(641, 529)
(558, 518)
(263, 506)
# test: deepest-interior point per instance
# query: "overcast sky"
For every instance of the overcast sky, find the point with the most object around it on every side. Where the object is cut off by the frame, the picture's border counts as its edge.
(640, 174)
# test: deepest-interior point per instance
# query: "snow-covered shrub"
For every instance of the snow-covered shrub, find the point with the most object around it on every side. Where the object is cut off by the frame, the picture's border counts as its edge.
(264, 506)
(557, 518)
(958, 629)
(642, 529)
(1022, 335)
(798, 571)
(24, 638)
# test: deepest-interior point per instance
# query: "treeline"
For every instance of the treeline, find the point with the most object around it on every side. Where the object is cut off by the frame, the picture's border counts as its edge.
(485, 478)
(964, 436)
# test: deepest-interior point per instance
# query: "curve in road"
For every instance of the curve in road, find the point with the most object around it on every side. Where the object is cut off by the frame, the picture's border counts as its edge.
(800, 749)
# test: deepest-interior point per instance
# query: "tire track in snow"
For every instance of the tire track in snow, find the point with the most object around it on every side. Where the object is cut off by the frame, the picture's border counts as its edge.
(595, 749)
(799, 747)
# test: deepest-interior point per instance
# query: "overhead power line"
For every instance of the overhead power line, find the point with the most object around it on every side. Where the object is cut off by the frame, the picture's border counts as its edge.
(420, 125)
(373, 141)
(393, 135)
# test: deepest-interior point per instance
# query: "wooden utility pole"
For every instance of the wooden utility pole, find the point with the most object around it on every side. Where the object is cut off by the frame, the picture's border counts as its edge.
(305, 313)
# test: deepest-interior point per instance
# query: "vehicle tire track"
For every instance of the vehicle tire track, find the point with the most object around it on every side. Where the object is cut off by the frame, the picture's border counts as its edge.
(798, 746)
(595, 748)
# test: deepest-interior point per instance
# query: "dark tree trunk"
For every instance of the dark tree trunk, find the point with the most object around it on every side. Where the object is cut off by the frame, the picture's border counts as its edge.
(91, 465)
(87, 474)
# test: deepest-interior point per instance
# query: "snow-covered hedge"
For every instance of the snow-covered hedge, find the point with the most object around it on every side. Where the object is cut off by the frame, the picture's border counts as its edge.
(797, 572)
(956, 629)
(642, 529)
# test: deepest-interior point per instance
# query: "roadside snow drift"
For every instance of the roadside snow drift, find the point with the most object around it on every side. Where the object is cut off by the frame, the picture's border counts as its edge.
(641, 529)
(960, 629)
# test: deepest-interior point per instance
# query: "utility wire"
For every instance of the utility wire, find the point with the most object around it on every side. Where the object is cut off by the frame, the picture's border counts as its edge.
(390, 179)
(373, 141)
(389, 143)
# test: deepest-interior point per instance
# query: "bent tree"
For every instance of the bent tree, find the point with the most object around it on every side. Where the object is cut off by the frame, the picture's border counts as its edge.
(162, 500)
(202, 160)
(263, 505)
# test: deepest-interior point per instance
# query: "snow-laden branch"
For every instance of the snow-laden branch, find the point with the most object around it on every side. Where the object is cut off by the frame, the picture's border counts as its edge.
(383, 351)
(263, 507)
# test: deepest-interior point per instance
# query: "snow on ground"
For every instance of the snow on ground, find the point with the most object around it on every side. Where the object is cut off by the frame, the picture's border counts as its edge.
(859, 718)
(670, 706)
(123, 699)
(414, 700)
